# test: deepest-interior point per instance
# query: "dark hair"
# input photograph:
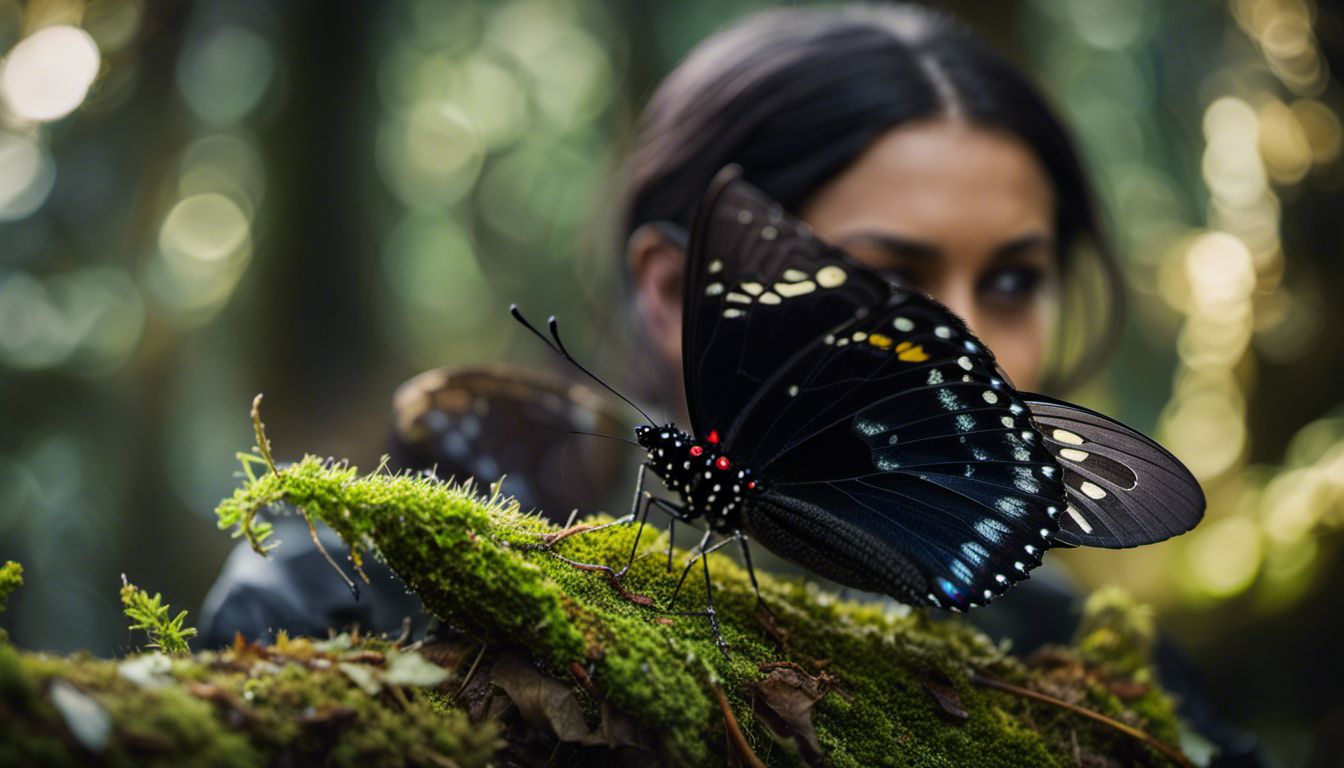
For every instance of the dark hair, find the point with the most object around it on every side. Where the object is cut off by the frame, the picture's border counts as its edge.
(794, 96)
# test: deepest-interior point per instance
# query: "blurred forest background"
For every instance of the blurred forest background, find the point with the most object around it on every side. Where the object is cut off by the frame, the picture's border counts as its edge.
(204, 200)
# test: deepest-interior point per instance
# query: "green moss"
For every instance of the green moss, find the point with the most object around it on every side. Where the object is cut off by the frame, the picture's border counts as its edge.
(151, 614)
(245, 707)
(478, 564)
(11, 578)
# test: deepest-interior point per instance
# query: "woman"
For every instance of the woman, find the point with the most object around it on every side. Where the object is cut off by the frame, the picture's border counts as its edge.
(892, 132)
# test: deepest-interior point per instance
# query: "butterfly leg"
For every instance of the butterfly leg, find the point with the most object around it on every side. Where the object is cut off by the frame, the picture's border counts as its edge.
(701, 553)
(746, 558)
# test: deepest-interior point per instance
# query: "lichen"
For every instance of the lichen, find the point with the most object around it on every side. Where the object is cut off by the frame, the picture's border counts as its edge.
(483, 566)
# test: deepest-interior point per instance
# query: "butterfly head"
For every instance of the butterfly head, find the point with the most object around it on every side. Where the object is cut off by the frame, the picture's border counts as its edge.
(654, 439)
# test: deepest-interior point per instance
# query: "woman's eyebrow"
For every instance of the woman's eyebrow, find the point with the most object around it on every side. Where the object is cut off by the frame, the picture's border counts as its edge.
(904, 247)
(895, 245)
(1022, 243)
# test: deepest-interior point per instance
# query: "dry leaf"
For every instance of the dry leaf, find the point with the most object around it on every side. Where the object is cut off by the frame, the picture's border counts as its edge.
(784, 702)
(941, 689)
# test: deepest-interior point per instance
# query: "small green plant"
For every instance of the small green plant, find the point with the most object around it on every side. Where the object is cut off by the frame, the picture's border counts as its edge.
(11, 578)
(151, 615)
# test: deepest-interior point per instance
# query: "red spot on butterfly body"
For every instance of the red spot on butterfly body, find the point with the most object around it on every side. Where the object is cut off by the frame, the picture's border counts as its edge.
(751, 486)
(696, 450)
(713, 438)
(722, 462)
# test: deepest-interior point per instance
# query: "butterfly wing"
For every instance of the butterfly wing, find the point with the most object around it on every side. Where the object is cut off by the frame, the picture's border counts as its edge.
(748, 306)
(1124, 490)
(500, 420)
(891, 454)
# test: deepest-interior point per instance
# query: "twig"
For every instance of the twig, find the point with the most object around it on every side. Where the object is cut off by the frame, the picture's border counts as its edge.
(263, 445)
(1167, 750)
(739, 743)
(470, 671)
(312, 530)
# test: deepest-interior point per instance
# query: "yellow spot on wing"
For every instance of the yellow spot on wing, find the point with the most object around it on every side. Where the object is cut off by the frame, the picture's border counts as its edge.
(880, 341)
(914, 354)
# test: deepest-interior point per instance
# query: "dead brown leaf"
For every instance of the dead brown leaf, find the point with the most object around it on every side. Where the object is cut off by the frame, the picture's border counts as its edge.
(940, 687)
(784, 701)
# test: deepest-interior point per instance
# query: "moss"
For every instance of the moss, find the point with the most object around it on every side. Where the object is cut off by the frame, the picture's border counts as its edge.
(11, 578)
(479, 564)
(244, 707)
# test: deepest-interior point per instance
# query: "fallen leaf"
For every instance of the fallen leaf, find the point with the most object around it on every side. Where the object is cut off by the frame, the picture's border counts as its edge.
(88, 722)
(413, 669)
(784, 702)
(367, 679)
(549, 705)
(150, 671)
(940, 687)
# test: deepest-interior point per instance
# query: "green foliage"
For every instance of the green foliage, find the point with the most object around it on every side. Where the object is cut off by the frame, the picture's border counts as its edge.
(151, 615)
(875, 686)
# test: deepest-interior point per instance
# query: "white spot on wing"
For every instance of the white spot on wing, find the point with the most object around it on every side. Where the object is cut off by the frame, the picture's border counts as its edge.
(942, 332)
(732, 312)
(715, 267)
(795, 275)
(1079, 519)
(753, 288)
(1073, 454)
(903, 324)
(1065, 436)
(989, 396)
(831, 276)
(768, 298)
(768, 232)
(789, 290)
(713, 289)
(1092, 490)
(964, 362)
(740, 298)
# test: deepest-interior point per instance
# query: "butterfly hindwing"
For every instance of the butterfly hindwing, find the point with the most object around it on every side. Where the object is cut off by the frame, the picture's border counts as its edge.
(1124, 489)
(501, 420)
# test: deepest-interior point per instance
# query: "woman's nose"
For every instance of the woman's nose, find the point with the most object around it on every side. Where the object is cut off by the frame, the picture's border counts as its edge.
(957, 293)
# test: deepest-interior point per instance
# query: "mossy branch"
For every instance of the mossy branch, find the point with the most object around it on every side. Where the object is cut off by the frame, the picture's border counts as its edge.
(850, 681)
(151, 614)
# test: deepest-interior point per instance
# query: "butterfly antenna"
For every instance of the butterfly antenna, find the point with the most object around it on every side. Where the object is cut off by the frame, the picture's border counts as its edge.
(558, 347)
(609, 437)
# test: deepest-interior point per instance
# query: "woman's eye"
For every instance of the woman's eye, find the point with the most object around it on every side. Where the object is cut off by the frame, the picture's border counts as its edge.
(1012, 283)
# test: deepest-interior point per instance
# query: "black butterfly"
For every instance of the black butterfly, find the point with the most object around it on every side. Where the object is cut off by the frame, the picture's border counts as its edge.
(502, 420)
(860, 430)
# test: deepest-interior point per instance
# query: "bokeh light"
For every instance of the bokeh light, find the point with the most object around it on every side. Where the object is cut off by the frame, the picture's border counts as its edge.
(47, 75)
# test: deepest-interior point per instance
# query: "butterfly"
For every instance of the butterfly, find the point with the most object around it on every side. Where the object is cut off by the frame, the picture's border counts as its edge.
(859, 429)
(493, 421)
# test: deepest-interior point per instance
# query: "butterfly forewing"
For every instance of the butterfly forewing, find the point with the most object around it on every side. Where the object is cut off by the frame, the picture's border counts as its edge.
(756, 292)
(1124, 490)
(890, 449)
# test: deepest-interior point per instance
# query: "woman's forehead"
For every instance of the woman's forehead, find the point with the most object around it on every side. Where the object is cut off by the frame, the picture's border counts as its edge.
(947, 183)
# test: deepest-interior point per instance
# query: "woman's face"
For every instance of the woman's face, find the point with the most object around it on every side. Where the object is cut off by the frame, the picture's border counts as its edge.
(964, 213)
